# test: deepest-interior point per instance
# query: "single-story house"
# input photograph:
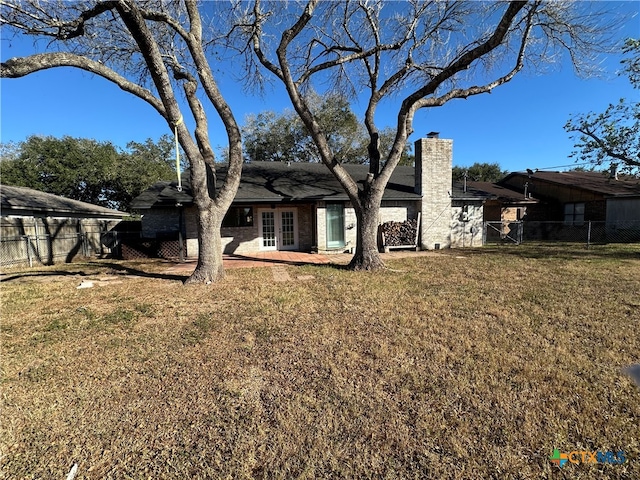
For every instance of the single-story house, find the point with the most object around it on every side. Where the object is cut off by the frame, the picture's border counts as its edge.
(301, 206)
(566, 206)
(576, 197)
(41, 227)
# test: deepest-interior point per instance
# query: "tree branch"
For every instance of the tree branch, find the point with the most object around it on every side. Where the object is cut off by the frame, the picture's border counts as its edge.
(607, 149)
(20, 67)
(61, 30)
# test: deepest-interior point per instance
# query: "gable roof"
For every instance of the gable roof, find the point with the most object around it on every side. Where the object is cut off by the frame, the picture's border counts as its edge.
(276, 182)
(596, 182)
(25, 201)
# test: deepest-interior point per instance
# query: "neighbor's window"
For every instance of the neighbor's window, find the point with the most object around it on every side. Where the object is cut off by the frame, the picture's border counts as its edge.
(238, 217)
(574, 213)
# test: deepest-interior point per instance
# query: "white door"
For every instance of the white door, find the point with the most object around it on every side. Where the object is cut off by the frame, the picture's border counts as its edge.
(278, 229)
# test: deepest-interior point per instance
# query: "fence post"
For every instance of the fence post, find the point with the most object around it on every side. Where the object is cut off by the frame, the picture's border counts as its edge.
(520, 232)
(589, 236)
(26, 239)
(484, 233)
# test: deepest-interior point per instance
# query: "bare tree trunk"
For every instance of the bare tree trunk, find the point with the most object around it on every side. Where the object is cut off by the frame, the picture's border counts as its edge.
(210, 268)
(367, 256)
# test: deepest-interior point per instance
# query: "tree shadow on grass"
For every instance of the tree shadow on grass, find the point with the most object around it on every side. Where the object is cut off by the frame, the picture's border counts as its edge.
(100, 266)
(38, 274)
(125, 270)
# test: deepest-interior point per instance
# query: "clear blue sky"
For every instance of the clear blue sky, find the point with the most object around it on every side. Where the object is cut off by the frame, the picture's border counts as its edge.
(519, 125)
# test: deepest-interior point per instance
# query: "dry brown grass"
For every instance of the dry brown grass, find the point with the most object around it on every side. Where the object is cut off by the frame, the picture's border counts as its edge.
(444, 367)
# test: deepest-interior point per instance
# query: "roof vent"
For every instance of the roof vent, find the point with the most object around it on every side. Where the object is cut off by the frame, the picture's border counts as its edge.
(433, 135)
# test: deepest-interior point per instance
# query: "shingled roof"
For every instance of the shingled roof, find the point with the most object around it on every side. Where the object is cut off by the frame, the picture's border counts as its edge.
(597, 182)
(497, 192)
(276, 182)
(29, 202)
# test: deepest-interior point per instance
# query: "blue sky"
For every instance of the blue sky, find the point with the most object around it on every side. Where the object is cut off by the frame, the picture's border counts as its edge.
(519, 125)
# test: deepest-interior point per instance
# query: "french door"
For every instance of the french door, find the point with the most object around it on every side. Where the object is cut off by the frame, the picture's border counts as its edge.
(278, 228)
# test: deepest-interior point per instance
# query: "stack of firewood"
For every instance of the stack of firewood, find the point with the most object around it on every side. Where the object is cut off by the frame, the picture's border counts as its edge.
(399, 233)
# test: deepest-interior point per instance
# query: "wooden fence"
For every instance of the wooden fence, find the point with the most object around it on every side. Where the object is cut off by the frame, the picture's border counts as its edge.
(45, 241)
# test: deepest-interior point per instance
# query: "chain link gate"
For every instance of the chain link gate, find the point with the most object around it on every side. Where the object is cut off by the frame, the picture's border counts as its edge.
(502, 232)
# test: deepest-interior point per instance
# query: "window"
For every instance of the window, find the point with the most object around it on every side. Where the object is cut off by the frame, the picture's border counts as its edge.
(335, 225)
(574, 213)
(238, 217)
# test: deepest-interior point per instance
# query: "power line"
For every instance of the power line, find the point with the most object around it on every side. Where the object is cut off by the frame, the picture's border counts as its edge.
(564, 166)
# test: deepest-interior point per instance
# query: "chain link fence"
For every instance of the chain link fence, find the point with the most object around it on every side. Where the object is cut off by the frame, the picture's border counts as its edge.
(588, 233)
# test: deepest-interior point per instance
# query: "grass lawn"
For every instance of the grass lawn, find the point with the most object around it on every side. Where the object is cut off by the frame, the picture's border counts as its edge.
(468, 364)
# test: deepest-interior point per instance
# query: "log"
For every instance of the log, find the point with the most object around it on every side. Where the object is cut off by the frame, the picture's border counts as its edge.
(397, 234)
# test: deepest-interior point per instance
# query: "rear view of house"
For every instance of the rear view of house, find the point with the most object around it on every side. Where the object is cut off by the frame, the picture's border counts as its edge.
(301, 206)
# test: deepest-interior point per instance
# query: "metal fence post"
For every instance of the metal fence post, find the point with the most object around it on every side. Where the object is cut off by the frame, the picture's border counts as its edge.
(26, 239)
(589, 236)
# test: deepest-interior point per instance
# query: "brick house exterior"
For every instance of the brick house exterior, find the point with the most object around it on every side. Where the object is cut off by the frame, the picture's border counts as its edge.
(301, 206)
(589, 196)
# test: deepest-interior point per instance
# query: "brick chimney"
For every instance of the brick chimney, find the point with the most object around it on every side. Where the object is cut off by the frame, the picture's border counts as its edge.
(433, 181)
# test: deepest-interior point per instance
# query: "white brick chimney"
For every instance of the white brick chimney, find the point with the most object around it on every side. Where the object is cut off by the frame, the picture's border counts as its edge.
(433, 181)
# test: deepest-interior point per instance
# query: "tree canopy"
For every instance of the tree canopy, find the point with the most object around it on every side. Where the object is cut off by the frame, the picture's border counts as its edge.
(612, 136)
(88, 170)
(271, 136)
(479, 172)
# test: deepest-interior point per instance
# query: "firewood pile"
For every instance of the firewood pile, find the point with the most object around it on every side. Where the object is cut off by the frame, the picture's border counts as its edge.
(397, 234)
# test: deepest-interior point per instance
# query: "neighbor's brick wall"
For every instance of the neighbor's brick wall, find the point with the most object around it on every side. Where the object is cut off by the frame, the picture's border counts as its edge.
(433, 181)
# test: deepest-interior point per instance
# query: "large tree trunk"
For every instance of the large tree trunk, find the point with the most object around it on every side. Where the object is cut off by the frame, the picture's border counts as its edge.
(367, 256)
(210, 268)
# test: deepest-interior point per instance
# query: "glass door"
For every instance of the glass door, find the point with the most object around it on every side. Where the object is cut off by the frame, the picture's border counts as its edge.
(279, 229)
(267, 230)
(335, 225)
(287, 230)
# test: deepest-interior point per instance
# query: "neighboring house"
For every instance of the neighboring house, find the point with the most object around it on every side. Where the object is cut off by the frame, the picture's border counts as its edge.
(503, 204)
(503, 211)
(41, 227)
(578, 197)
(563, 206)
(301, 206)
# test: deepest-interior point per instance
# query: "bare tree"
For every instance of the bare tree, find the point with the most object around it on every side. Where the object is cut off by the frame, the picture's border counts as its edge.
(613, 135)
(154, 50)
(414, 54)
